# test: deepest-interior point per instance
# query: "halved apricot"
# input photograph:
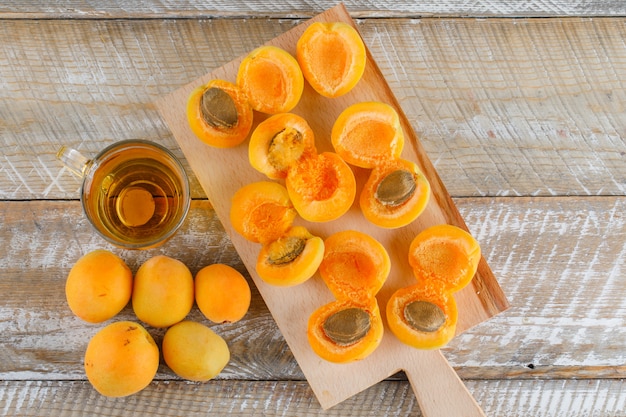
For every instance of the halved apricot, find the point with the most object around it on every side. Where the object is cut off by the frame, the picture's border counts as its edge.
(262, 211)
(279, 142)
(445, 253)
(344, 331)
(219, 114)
(332, 57)
(368, 133)
(355, 265)
(423, 315)
(395, 194)
(322, 187)
(291, 259)
(272, 79)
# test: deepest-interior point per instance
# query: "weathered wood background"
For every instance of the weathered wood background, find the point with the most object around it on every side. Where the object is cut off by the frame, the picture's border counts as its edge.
(520, 105)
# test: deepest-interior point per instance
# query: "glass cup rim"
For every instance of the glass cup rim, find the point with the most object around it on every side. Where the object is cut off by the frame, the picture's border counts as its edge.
(185, 183)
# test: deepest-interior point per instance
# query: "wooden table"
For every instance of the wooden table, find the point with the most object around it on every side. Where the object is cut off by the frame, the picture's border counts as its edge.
(521, 107)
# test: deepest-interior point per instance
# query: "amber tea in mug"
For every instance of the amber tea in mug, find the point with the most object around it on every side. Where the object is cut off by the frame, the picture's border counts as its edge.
(135, 193)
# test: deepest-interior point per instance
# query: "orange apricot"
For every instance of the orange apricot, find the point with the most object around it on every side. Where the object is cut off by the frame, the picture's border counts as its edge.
(121, 359)
(261, 211)
(271, 79)
(322, 187)
(423, 316)
(279, 142)
(355, 265)
(163, 291)
(445, 253)
(332, 57)
(367, 133)
(219, 114)
(194, 351)
(345, 331)
(222, 293)
(98, 286)
(291, 259)
(395, 194)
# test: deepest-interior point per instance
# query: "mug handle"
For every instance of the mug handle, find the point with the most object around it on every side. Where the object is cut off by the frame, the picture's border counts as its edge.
(73, 160)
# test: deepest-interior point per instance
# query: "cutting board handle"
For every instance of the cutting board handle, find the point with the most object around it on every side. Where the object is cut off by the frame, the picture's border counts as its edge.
(439, 390)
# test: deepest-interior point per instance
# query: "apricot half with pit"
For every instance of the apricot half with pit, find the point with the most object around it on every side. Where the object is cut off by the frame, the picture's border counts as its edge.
(219, 114)
(279, 142)
(291, 259)
(395, 194)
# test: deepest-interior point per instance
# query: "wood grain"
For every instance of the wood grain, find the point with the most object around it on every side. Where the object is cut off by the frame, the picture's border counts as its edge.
(502, 106)
(511, 398)
(550, 332)
(73, 9)
(538, 247)
(522, 117)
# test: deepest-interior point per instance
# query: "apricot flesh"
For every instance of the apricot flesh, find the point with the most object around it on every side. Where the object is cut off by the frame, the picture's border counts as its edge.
(222, 293)
(121, 359)
(332, 56)
(98, 286)
(445, 253)
(163, 291)
(321, 187)
(368, 133)
(262, 211)
(271, 79)
(194, 351)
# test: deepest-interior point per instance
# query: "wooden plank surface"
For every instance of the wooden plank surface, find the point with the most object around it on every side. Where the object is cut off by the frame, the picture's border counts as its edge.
(83, 9)
(523, 119)
(502, 107)
(548, 337)
(556, 398)
(539, 247)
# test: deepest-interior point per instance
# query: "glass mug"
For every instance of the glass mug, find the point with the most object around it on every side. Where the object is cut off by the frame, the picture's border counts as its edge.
(135, 193)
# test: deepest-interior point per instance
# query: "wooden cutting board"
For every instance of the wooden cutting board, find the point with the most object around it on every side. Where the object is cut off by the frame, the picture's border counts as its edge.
(222, 172)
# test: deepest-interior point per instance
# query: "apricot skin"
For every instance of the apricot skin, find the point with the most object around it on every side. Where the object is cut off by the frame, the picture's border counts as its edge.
(194, 351)
(222, 293)
(121, 359)
(163, 291)
(98, 286)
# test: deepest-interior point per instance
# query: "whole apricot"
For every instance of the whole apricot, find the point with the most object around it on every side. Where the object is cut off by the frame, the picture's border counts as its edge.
(121, 359)
(163, 291)
(222, 293)
(194, 351)
(98, 286)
